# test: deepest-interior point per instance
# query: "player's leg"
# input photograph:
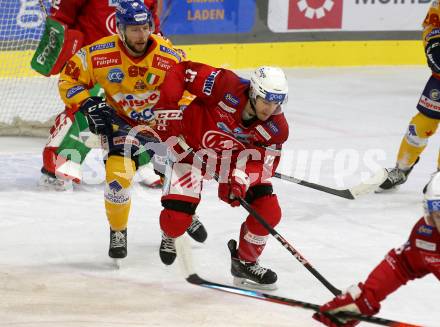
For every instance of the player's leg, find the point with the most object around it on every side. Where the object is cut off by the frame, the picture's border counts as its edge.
(420, 128)
(181, 195)
(253, 236)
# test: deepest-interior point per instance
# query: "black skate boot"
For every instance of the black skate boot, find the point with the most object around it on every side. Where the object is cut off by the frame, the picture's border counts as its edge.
(396, 177)
(250, 274)
(167, 250)
(118, 246)
(196, 230)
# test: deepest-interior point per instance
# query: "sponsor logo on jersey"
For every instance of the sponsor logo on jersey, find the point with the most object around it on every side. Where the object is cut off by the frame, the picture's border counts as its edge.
(106, 60)
(432, 260)
(219, 142)
(263, 132)
(429, 104)
(115, 75)
(113, 3)
(171, 52)
(121, 140)
(162, 63)
(140, 100)
(424, 245)
(273, 127)
(103, 46)
(425, 230)
(232, 99)
(434, 94)
(209, 82)
(226, 108)
(74, 91)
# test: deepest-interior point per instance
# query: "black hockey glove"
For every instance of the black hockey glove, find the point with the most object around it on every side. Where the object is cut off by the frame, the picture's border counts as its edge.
(99, 115)
(433, 55)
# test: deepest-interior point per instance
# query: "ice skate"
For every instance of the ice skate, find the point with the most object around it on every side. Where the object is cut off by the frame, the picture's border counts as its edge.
(250, 274)
(196, 230)
(51, 182)
(118, 246)
(167, 250)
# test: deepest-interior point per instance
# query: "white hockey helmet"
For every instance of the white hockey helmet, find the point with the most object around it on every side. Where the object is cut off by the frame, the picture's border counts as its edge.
(431, 199)
(270, 83)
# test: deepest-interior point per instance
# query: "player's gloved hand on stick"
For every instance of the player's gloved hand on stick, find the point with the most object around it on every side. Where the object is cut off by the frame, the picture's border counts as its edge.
(236, 188)
(357, 299)
(433, 55)
(99, 115)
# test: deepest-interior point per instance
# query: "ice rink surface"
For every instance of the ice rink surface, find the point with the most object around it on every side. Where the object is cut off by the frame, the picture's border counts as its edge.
(345, 123)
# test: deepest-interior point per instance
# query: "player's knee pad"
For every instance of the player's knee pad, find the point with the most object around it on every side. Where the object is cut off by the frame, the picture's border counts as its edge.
(174, 223)
(269, 208)
(183, 182)
(420, 129)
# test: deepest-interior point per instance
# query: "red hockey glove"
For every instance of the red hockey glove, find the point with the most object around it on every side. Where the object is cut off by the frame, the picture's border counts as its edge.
(168, 122)
(356, 299)
(236, 188)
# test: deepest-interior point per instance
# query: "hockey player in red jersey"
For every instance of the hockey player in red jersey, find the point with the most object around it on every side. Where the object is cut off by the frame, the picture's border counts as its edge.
(69, 141)
(238, 126)
(418, 257)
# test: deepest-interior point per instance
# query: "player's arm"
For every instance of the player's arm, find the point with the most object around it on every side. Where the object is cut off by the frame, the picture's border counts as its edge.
(59, 41)
(399, 266)
(431, 37)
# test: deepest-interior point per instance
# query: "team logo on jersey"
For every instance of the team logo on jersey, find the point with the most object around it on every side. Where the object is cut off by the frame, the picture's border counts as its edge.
(74, 91)
(232, 99)
(97, 47)
(162, 63)
(425, 230)
(209, 82)
(171, 52)
(434, 94)
(263, 132)
(106, 60)
(219, 141)
(115, 75)
(315, 14)
(140, 85)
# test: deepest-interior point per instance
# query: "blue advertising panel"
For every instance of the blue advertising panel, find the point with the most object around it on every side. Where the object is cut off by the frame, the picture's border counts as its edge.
(20, 20)
(208, 16)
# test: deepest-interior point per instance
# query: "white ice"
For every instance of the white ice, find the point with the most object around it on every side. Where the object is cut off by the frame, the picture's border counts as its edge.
(345, 123)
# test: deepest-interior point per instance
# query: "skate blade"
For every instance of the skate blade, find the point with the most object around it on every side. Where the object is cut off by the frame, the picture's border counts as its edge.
(251, 285)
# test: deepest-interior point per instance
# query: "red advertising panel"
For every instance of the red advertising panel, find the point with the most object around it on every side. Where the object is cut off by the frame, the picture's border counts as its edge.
(315, 14)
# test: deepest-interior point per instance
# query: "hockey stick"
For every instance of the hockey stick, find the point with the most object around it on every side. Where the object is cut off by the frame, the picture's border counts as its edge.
(366, 187)
(196, 280)
(185, 259)
(269, 228)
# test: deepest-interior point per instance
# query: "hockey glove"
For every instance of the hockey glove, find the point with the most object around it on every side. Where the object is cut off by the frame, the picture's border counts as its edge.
(236, 188)
(433, 55)
(356, 299)
(168, 122)
(99, 115)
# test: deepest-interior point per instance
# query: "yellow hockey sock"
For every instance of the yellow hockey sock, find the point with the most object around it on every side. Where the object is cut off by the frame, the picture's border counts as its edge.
(119, 175)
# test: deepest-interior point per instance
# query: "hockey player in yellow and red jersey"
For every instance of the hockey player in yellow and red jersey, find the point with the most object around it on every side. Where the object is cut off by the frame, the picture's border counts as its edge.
(130, 67)
(425, 122)
(82, 23)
